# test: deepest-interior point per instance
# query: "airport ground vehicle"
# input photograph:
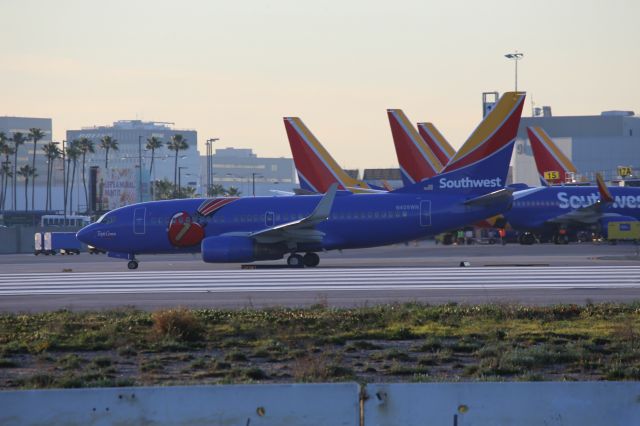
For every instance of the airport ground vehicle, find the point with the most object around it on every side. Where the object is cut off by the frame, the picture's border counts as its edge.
(38, 243)
(61, 242)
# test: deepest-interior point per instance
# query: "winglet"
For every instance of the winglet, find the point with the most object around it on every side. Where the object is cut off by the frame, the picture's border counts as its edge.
(323, 209)
(605, 194)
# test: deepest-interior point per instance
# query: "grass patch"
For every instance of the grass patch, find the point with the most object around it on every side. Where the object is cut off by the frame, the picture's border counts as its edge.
(412, 341)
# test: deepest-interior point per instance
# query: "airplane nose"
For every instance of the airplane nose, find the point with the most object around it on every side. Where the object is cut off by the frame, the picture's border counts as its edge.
(84, 235)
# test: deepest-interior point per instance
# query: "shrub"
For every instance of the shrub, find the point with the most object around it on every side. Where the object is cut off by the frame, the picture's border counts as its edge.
(179, 324)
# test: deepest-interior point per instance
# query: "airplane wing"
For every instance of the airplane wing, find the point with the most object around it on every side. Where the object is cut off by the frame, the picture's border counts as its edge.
(301, 230)
(589, 214)
(491, 198)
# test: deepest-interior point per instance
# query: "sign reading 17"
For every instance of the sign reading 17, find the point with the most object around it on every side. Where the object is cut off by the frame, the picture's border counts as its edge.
(624, 171)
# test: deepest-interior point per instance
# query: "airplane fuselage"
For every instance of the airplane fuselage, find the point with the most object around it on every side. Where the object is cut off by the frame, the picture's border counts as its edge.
(356, 221)
(539, 208)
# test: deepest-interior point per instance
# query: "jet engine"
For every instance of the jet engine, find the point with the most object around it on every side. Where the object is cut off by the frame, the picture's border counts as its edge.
(229, 249)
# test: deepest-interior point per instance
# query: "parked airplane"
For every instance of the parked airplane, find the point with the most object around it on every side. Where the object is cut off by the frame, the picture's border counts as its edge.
(267, 228)
(553, 166)
(553, 211)
(438, 144)
(316, 168)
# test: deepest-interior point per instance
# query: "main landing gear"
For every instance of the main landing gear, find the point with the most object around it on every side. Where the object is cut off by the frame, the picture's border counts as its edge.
(310, 260)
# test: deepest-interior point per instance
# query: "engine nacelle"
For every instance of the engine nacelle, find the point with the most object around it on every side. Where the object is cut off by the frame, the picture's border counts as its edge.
(238, 249)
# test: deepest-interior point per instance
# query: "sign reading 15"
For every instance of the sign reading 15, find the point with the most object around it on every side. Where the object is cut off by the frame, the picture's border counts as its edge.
(552, 175)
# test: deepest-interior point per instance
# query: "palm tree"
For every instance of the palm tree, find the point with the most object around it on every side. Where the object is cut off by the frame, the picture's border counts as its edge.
(233, 192)
(51, 152)
(108, 143)
(26, 172)
(72, 154)
(18, 139)
(216, 190)
(6, 173)
(3, 147)
(153, 143)
(178, 143)
(85, 145)
(35, 135)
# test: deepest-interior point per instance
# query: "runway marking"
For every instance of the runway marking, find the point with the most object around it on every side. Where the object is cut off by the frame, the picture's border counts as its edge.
(313, 280)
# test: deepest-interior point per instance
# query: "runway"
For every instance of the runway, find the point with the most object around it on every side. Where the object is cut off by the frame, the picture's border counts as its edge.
(333, 286)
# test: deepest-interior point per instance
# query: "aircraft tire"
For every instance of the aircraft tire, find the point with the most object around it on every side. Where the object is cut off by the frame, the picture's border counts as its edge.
(295, 260)
(132, 264)
(311, 260)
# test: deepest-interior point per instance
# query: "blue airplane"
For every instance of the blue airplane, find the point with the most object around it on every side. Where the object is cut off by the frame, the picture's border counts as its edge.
(555, 211)
(267, 228)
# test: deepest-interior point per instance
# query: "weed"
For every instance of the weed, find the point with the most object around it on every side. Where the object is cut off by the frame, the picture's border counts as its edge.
(101, 361)
(255, 373)
(236, 356)
(179, 324)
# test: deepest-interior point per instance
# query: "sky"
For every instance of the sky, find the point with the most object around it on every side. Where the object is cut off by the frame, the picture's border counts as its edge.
(233, 69)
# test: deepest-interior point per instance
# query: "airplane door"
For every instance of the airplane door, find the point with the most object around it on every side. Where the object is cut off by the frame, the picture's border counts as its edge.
(138, 221)
(425, 213)
(269, 219)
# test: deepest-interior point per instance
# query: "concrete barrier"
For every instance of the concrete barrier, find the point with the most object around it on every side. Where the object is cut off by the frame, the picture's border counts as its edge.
(457, 404)
(295, 404)
(540, 403)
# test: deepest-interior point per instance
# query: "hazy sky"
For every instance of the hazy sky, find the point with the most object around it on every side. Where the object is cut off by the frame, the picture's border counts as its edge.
(233, 69)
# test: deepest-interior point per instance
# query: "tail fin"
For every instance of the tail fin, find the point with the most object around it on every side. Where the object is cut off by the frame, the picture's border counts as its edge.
(481, 165)
(553, 166)
(417, 161)
(317, 170)
(436, 142)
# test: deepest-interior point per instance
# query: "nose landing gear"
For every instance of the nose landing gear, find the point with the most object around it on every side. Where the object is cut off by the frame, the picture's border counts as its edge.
(133, 264)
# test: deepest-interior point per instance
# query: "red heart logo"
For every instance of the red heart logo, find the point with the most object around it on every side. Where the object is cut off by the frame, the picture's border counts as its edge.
(183, 231)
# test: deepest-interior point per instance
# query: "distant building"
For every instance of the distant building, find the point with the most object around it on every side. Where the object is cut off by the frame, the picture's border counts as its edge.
(241, 168)
(594, 143)
(129, 134)
(379, 176)
(11, 125)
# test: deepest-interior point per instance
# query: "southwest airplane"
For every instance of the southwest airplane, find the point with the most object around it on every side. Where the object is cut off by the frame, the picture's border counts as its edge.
(555, 210)
(267, 228)
(317, 170)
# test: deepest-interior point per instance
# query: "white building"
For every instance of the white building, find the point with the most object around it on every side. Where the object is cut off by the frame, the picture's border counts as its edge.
(132, 136)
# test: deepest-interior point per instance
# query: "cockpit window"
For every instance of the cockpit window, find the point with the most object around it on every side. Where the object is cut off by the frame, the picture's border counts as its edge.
(107, 219)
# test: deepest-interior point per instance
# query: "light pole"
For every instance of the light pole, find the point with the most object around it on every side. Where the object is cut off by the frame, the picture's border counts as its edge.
(209, 145)
(515, 57)
(140, 168)
(253, 182)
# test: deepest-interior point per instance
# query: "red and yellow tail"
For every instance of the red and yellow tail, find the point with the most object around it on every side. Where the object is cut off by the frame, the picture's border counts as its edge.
(417, 161)
(317, 170)
(553, 166)
(436, 142)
